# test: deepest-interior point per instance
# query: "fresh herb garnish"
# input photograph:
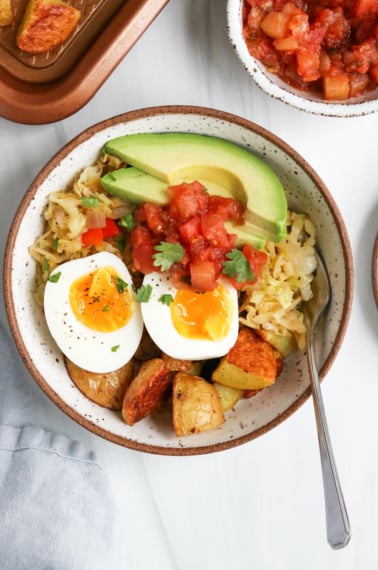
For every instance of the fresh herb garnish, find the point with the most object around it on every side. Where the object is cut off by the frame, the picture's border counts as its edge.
(106, 308)
(143, 294)
(237, 266)
(45, 265)
(166, 299)
(55, 278)
(121, 284)
(115, 348)
(168, 254)
(120, 242)
(91, 202)
(55, 244)
(127, 221)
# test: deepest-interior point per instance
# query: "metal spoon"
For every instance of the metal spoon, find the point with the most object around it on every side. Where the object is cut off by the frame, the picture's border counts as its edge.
(338, 528)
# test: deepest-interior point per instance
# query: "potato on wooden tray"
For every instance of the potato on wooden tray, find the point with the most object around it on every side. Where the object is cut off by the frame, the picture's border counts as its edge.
(106, 389)
(251, 364)
(196, 405)
(146, 390)
(6, 13)
(46, 24)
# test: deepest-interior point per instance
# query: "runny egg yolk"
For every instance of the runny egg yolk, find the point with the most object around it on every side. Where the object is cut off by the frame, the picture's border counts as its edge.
(101, 300)
(205, 316)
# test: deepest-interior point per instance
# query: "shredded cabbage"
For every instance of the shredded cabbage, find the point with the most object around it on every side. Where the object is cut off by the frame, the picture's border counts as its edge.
(274, 302)
(65, 221)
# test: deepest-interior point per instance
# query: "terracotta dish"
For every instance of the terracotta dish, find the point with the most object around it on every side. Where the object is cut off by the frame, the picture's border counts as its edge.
(47, 87)
(250, 418)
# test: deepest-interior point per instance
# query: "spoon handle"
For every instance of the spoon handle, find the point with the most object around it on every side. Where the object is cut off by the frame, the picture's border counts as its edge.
(338, 528)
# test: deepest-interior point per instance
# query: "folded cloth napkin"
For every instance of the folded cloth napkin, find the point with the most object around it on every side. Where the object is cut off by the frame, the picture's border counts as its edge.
(56, 508)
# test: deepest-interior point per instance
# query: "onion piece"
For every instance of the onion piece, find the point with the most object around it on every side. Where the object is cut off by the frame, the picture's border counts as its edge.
(95, 219)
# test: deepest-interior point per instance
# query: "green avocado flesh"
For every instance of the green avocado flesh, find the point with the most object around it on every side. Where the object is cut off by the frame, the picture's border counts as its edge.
(162, 159)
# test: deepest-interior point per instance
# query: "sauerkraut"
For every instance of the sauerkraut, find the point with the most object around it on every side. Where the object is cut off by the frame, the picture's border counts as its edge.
(65, 221)
(274, 302)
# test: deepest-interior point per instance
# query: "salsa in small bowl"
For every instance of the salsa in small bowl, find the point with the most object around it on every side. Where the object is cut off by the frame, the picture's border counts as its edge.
(318, 57)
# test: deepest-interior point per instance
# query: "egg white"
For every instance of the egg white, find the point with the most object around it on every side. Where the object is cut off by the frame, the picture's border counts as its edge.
(157, 319)
(92, 350)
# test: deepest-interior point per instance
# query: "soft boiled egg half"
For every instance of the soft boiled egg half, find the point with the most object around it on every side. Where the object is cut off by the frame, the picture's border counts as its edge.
(188, 325)
(91, 312)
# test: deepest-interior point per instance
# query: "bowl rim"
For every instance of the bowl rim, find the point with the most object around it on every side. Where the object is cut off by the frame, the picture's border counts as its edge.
(267, 82)
(145, 113)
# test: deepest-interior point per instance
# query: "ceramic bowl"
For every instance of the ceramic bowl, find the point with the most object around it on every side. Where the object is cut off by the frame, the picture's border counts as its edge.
(251, 417)
(273, 86)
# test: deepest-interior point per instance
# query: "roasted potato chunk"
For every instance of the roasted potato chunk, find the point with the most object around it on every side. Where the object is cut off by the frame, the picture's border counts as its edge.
(46, 24)
(176, 365)
(145, 391)
(6, 13)
(250, 364)
(228, 396)
(196, 405)
(107, 389)
(284, 344)
(147, 349)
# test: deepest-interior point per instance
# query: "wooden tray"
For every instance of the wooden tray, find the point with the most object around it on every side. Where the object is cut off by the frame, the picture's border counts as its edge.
(43, 88)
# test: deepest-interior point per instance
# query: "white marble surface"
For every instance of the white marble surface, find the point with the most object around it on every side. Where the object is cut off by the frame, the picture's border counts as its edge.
(260, 505)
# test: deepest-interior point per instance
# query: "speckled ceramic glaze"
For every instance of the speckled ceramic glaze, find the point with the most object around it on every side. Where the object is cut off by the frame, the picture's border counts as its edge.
(273, 86)
(251, 417)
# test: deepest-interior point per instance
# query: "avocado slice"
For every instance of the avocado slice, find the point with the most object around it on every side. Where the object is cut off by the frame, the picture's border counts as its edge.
(136, 186)
(184, 157)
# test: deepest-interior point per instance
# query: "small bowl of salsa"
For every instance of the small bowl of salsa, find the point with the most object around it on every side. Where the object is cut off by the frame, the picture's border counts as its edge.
(320, 57)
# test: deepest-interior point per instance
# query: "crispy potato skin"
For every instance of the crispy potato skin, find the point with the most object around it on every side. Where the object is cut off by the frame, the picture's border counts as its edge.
(6, 13)
(176, 365)
(145, 391)
(250, 364)
(46, 24)
(196, 405)
(106, 389)
(147, 349)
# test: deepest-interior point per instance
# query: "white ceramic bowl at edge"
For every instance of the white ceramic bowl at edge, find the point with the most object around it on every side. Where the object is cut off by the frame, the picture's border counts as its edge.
(275, 87)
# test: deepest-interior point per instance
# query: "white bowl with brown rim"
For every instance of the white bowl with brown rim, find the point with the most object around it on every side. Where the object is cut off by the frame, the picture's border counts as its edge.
(252, 417)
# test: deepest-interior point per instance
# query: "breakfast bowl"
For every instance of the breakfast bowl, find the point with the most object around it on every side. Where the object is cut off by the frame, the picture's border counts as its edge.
(294, 80)
(250, 417)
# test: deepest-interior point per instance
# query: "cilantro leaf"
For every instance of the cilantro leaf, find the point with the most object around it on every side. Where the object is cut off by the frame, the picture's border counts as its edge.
(168, 254)
(120, 284)
(115, 348)
(237, 266)
(91, 202)
(55, 278)
(127, 221)
(166, 299)
(120, 242)
(45, 265)
(143, 294)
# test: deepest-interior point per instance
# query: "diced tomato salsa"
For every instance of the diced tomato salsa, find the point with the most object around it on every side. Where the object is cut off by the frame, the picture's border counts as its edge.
(328, 47)
(194, 220)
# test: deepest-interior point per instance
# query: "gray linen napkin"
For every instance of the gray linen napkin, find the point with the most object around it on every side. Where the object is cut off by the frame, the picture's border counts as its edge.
(56, 509)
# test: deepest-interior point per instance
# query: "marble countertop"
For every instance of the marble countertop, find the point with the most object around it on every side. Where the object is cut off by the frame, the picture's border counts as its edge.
(259, 505)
